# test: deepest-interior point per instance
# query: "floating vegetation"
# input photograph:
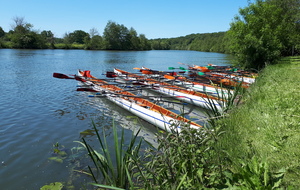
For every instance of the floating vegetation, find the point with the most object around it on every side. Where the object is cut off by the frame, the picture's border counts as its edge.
(59, 153)
(56, 159)
(88, 132)
(53, 186)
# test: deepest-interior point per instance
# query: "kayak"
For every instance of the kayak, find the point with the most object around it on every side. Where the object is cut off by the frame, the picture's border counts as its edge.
(203, 86)
(154, 114)
(186, 95)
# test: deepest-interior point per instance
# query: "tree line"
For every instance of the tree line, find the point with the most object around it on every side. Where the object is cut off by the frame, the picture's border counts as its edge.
(207, 42)
(115, 37)
(260, 34)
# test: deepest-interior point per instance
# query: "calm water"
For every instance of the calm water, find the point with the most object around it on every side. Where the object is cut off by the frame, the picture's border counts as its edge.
(38, 110)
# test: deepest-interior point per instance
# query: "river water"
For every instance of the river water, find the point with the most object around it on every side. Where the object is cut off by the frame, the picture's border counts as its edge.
(38, 111)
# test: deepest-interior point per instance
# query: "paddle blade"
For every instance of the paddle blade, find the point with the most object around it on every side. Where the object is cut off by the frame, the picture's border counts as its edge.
(110, 74)
(210, 67)
(79, 79)
(147, 72)
(87, 89)
(61, 76)
(137, 68)
(201, 73)
(182, 68)
(169, 77)
(171, 68)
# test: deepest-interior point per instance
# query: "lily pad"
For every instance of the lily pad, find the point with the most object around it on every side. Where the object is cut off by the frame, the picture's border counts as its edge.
(62, 153)
(87, 132)
(53, 186)
(56, 159)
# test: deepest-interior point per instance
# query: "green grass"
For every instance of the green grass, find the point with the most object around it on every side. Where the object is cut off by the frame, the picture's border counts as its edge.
(69, 46)
(267, 125)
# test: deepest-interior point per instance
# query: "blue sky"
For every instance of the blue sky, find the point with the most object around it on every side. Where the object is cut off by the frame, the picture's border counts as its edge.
(154, 18)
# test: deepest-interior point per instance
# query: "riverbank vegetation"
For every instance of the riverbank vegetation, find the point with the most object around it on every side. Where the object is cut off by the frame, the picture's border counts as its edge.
(115, 37)
(254, 146)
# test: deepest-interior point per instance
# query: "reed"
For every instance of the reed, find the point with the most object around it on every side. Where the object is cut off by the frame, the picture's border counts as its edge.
(231, 99)
(113, 174)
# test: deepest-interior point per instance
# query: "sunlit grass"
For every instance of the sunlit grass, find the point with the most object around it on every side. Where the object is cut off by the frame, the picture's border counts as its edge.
(267, 125)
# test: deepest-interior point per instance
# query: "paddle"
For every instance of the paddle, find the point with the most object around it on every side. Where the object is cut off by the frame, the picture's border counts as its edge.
(61, 76)
(144, 97)
(184, 64)
(87, 89)
(201, 73)
(181, 68)
(93, 90)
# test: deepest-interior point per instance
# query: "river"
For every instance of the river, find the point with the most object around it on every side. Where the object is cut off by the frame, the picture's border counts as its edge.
(39, 111)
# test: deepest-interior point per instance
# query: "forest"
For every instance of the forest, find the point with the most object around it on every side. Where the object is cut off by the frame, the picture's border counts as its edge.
(115, 37)
(259, 35)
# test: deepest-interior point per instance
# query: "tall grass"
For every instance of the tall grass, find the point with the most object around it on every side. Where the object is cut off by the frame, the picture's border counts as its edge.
(267, 126)
(112, 168)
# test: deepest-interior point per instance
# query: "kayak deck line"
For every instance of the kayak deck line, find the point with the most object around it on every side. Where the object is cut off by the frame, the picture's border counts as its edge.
(129, 100)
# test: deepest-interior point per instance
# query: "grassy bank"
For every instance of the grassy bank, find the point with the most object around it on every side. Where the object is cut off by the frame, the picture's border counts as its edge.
(267, 124)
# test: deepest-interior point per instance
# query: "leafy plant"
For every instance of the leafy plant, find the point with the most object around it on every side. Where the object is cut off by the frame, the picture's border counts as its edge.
(53, 186)
(230, 99)
(256, 174)
(59, 153)
(113, 175)
(181, 161)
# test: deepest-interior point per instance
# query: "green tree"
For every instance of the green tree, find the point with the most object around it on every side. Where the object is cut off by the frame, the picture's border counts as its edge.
(48, 36)
(94, 40)
(116, 36)
(263, 32)
(145, 45)
(77, 36)
(134, 40)
(22, 35)
(2, 33)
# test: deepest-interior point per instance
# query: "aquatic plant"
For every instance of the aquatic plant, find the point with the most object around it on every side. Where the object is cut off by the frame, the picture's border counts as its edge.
(114, 167)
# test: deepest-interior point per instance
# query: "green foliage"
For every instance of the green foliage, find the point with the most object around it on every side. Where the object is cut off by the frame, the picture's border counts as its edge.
(119, 37)
(183, 161)
(94, 43)
(77, 36)
(58, 153)
(2, 33)
(22, 36)
(264, 31)
(53, 186)
(118, 174)
(256, 174)
(208, 42)
(48, 36)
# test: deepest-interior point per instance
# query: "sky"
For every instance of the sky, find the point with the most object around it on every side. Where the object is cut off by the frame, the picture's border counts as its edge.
(153, 18)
